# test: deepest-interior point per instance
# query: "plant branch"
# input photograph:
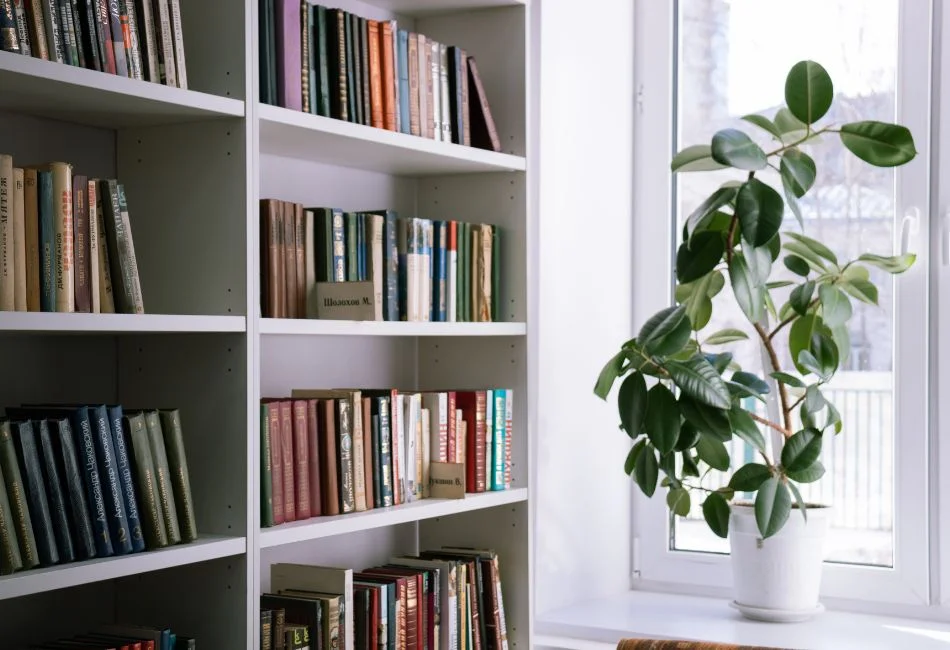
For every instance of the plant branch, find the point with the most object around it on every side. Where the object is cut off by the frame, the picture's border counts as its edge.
(797, 402)
(788, 320)
(809, 134)
(783, 392)
(785, 432)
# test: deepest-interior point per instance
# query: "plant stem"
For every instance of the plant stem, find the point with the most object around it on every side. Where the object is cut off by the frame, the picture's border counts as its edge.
(788, 320)
(769, 423)
(783, 392)
(809, 134)
(797, 402)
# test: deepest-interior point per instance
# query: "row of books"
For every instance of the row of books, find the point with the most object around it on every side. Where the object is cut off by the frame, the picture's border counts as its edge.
(421, 269)
(118, 636)
(139, 39)
(331, 452)
(79, 482)
(338, 64)
(65, 242)
(450, 598)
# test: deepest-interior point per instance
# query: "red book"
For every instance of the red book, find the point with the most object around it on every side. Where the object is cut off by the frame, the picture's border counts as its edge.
(301, 459)
(313, 453)
(287, 455)
(472, 404)
(451, 430)
(329, 485)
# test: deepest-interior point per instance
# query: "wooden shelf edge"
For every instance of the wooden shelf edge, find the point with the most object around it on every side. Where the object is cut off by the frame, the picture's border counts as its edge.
(320, 527)
(316, 327)
(73, 574)
(76, 323)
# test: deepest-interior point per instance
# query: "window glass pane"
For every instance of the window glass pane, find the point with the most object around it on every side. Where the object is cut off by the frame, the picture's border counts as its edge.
(733, 56)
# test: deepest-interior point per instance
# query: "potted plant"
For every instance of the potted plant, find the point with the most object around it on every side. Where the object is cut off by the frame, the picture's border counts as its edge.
(682, 396)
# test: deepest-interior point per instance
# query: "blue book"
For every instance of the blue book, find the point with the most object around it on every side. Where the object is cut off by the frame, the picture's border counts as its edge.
(44, 191)
(403, 72)
(112, 483)
(114, 414)
(427, 262)
(440, 294)
(361, 246)
(497, 470)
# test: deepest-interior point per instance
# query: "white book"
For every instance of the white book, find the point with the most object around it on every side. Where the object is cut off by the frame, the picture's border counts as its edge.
(421, 50)
(411, 418)
(435, 69)
(444, 93)
(452, 272)
(375, 258)
(426, 453)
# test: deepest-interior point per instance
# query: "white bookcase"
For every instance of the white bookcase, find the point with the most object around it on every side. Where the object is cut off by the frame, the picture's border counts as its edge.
(195, 164)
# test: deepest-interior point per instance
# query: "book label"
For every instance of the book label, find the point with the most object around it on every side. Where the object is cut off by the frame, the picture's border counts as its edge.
(447, 480)
(346, 301)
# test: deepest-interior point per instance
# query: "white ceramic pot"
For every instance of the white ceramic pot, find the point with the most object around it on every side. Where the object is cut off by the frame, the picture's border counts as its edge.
(777, 579)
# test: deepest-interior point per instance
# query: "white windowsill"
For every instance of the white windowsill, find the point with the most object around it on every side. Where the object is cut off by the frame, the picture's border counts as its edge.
(640, 614)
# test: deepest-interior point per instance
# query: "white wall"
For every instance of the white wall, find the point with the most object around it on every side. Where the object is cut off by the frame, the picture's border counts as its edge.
(582, 497)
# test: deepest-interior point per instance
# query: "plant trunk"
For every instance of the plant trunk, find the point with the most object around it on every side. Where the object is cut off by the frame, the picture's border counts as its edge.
(772, 403)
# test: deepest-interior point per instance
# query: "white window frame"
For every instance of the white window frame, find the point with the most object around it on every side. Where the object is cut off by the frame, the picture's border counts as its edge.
(908, 584)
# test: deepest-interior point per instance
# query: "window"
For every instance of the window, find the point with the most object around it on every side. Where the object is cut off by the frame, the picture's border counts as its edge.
(702, 65)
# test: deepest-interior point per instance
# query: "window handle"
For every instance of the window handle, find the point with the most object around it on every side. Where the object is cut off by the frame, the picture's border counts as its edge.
(909, 226)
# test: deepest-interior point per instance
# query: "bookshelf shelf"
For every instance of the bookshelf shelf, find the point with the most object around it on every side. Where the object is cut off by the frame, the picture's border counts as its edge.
(294, 134)
(79, 573)
(320, 527)
(101, 99)
(313, 327)
(51, 322)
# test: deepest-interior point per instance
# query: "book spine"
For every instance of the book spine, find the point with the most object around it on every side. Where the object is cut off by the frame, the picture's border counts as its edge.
(106, 301)
(46, 241)
(313, 457)
(267, 492)
(22, 26)
(305, 51)
(300, 259)
(441, 255)
(9, 35)
(135, 40)
(288, 54)
(178, 34)
(276, 461)
(146, 28)
(135, 432)
(84, 536)
(413, 54)
(385, 451)
(289, 249)
(365, 404)
(444, 94)
(377, 268)
(63, 266)
(359, 456)
(110, 419)
(434, 90)
(339, 247)
(509, 412)
(93, 473)
(89, 41)
(398, 442)
(10, 558)
(104, 35)
(53, 24)
(323, 67)
(405, 121)
(178, 470)
(38, 29)
(156, 441)
(388, 75)
(390, 266)
(118, 248)
(118, 38)
(301, 460)
(59, 515)
(82, 295)
(498, 441)
(16, 490)
(75, 32)
(31, 224)
(95, 301)
(345, 460)
(7, 263)
(367, 109)
(27, 455)
(489, 436)
(19, 241)
(422, 48)
(287, 459)
(377, 471)
(108, 468)
(129, 262)
(163, 24)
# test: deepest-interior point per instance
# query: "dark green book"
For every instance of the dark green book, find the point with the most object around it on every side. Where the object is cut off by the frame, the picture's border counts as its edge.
(320, 53)
(350, 68)
(153, 522)
(178, 469)
(352, 246)
(267, 492)
(28, 457)
(10, 558)
(16, 491)
(55, 491)
(81, 527)
(156, 442)
(377, 469)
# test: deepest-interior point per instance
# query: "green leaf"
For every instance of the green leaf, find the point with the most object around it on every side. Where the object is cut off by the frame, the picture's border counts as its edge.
(609, 374)
(799, 337)
(879, 143)
(798, 499)
(719, 361)
(775, 247)
(825, 352)
(689, 435)
(749, 477)
(778, 284)
(752, 381)
(668, 467)
(716, 513)
(742, 391)
(807, 475)
(815, 246)
(894, 264)
(792, 202)
(690, 468)
(855, 272)
(835, 306)
(759, 209)
(734, 148)
(759, 261)
(712, 452)
(696, 158)
(632, 404)
(666, 332)
(798, 171)
(698, 379)
(705, 418)
(808, 361)
(787, 123)
(788, 379)
(662, 418)
(646, 471)
(834, 418)
(725, 336)
(772, 507)
(842, 339)
(763, 123)
(631, 461)
(701, 215)
(797, 265)
(800, 298)
(745, 427)
(863, 290)
(699, 255)
(801, 450)
(677, 500)
(748, 293)
(808, 91)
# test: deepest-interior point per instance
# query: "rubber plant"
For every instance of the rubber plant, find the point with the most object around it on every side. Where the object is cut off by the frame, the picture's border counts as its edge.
(681, 398)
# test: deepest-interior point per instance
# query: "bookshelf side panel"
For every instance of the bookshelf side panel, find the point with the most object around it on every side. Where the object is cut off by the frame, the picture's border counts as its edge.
(204, 376)
(505, 531)
(216, 35)
(497, 199)
(501, 67)
(187, 203)
(479, 363)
